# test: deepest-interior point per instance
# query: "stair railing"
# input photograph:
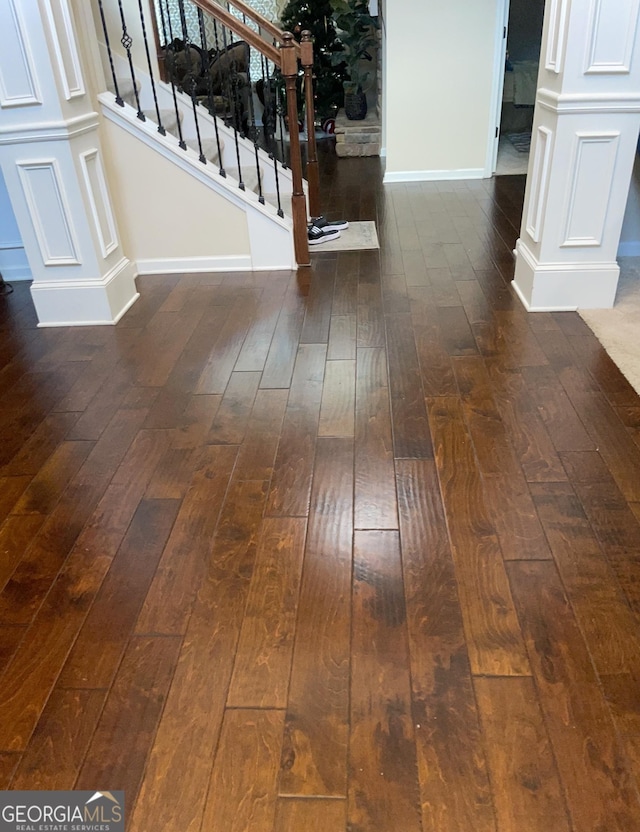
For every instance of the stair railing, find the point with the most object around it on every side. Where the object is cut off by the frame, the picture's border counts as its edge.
(204, 52)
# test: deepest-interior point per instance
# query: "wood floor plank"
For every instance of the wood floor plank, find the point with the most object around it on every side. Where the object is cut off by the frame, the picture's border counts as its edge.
(342, 338)
(256, 345)
(60, 741)
(11, 489)
(293, 468)
(113, 613)
(315, 328)
(563, 424)
(283, 350)
(263, 659)
(593, 770)
(311, 814)
(136, 698)
(243, 789)
(46, 488)
(185, 743)
(527, 791)
(533, 446)
(16, 533)
(454, 784)
(257, 453)
(41, 444)
(314, 754)
(169, 602)
(383, 774)
(218, 369)
(505, 488)
(375, 494)
(33, 576)
(345, 295)
(411, 437)
(34, 668)
(493, 634)
(337, 409)
(231, 418)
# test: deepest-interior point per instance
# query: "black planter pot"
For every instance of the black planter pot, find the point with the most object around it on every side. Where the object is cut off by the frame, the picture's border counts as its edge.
(355, 105)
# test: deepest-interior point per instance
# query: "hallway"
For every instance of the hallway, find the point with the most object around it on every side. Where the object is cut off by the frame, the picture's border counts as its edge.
(353, 549)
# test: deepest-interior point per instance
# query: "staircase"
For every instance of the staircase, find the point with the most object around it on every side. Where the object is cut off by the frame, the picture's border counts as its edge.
(214, 150)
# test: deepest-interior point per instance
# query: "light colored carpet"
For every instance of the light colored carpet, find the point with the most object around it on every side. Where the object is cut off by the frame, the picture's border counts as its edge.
(359, 236)
(618, 329)
(510, 161)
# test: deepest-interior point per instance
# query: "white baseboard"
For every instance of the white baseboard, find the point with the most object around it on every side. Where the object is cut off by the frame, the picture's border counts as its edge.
(190, 265)
(432, 175)
(629, 249)
(14, 274)
(563, 287)
(100, 302)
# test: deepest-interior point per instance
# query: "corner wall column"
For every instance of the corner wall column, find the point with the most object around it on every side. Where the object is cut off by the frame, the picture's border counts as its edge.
(584, 140)
(51, 158)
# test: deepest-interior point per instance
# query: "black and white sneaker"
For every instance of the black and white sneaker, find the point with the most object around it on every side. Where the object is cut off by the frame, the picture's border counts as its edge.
(324, 223)
(317, 235)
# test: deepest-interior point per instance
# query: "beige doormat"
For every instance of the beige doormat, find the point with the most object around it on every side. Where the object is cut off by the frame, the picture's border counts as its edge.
(618, 329)
(359, 236)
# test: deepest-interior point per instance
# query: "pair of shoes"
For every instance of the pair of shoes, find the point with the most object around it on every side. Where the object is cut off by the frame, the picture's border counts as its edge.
(317, 235)
(334, 225)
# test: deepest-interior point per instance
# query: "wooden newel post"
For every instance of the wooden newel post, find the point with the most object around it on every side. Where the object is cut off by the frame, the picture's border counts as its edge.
(289, 68)
(313, 173)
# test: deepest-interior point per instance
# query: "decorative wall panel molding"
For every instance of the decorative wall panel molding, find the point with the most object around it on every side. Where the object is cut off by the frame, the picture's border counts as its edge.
(49, 131)
(49, 211)
(98, 194)
(596, 102)
(556, 40)
(594, 161)
(18, 80)
(64, 45)
(540, 183)
(612, 32)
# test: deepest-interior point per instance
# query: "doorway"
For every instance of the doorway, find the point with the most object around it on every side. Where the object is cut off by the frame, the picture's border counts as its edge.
(520, 59)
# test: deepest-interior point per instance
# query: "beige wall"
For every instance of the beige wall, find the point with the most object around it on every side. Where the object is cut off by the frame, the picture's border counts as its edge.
(162, 211)
(439, 83)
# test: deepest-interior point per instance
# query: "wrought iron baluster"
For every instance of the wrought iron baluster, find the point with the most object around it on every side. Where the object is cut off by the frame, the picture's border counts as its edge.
(233, 105)
(127, 41)
(270, 111)
(253, 131)
(211, 98)
(191, 79)
(280, 109)
(172, 69)
(119, 100)
(161, 129)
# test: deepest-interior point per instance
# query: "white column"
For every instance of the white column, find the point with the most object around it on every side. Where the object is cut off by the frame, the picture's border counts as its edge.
(583, 146)
(51, 158)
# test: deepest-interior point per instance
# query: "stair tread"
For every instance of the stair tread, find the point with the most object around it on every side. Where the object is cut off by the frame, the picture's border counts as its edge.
(209, 148)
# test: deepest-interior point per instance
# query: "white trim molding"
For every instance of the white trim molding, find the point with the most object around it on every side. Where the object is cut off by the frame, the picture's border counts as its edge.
(538, 194)
(86, 302)
(19, 85)
(98, 194)
(64, 47)
(580, 103)
(432, 175)
(612, 36)
(194, 265)
(561, 287)
(49, 211)
(49, 131)
(557, 12)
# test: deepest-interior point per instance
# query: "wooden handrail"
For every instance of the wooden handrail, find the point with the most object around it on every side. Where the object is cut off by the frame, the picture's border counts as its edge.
(262, 21)
(240, 29)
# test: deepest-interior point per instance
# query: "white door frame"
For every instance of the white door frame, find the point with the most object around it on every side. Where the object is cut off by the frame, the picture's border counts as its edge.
(500, 53)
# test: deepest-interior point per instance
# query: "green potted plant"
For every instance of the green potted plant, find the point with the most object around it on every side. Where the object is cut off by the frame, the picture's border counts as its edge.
(357, 34)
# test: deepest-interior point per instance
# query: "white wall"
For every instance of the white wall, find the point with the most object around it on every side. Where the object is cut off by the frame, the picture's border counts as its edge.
(13, 260)
(439, 87)
(630, 236)
(167, 216)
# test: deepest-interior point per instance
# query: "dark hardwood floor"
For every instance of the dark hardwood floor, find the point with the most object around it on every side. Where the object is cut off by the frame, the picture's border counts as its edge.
(353, 549)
